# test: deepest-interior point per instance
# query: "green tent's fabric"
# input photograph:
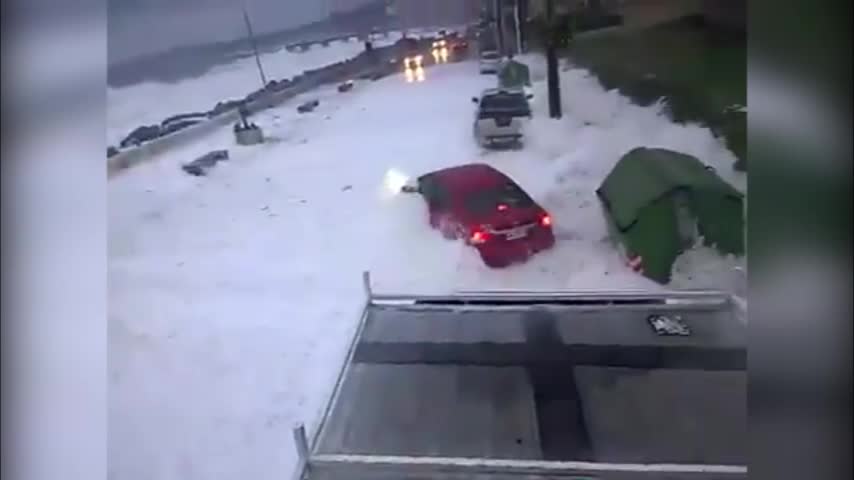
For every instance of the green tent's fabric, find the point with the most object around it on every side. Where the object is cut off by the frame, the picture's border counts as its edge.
(644, 175)
(514, 74)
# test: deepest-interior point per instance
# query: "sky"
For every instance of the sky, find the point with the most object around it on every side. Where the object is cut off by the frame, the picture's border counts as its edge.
(139, 27)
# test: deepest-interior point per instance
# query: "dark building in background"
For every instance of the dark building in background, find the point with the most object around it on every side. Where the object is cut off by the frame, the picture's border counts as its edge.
(430, 13)
(365, 15)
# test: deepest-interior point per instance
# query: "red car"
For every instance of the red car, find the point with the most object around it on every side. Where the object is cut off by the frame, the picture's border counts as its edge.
(488, 210)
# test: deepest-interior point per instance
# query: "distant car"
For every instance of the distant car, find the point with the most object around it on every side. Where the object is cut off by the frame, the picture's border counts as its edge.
(457, 46)
(488, 211)
(440, 51)
(413, 62)
(500, 117)
(490, 61)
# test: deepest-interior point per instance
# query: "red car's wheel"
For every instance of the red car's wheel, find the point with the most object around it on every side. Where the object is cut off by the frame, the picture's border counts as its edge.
(449, 228)
(492, 260)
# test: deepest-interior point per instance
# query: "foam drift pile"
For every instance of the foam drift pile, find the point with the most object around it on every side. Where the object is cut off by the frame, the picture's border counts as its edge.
(233, 295)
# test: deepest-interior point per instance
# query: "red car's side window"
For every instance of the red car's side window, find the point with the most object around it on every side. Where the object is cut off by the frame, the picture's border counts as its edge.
(436, 195)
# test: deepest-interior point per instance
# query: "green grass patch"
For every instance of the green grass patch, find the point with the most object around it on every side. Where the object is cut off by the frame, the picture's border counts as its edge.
(700, 72)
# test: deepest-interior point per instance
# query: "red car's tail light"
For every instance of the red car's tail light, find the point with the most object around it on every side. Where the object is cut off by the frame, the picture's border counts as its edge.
(635, 262)
(502, 207)
(546, 221)
(478, 237)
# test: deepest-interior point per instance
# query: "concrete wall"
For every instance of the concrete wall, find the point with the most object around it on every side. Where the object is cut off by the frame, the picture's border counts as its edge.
(646, 13)
(429, 13)
(152, 149)
(356, 67)
(635, 12)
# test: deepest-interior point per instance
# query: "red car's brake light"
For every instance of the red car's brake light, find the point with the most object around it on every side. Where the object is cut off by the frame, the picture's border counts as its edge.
(546, 221)
(478, 237)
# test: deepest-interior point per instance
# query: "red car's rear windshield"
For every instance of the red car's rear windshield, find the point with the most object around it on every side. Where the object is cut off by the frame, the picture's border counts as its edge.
(489, 200)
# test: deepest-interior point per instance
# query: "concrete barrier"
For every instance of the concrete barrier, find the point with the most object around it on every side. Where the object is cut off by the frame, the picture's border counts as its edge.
(148, 150)
(302, 83)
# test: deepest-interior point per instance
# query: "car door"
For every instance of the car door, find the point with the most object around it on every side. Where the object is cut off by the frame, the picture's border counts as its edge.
(439, 207)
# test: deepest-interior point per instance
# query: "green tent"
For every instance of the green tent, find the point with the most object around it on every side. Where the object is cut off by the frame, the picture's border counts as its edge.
(658, 202)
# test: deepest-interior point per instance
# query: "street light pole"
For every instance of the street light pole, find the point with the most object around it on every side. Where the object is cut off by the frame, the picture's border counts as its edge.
(253, 43)
(498, 25)
(553, 77)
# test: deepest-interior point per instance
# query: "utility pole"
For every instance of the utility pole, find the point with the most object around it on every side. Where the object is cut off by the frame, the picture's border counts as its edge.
(553, 77)
(518, 24)
(253, 43)
(498, 26)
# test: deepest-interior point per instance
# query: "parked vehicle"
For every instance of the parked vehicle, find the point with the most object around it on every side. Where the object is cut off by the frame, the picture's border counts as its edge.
(500, 117)
(488, 211)
(490, 61)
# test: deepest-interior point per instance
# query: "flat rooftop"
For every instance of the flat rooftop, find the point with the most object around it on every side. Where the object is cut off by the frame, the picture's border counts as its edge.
(544, 383)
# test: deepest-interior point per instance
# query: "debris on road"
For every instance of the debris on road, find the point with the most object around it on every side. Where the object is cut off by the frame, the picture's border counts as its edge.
(201, 165)
(308, 106)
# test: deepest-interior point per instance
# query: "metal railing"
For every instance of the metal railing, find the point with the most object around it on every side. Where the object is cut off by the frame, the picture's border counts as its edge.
(380, 466)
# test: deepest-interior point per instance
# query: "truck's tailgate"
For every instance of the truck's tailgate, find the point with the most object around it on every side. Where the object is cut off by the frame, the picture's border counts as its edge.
(538, 390)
